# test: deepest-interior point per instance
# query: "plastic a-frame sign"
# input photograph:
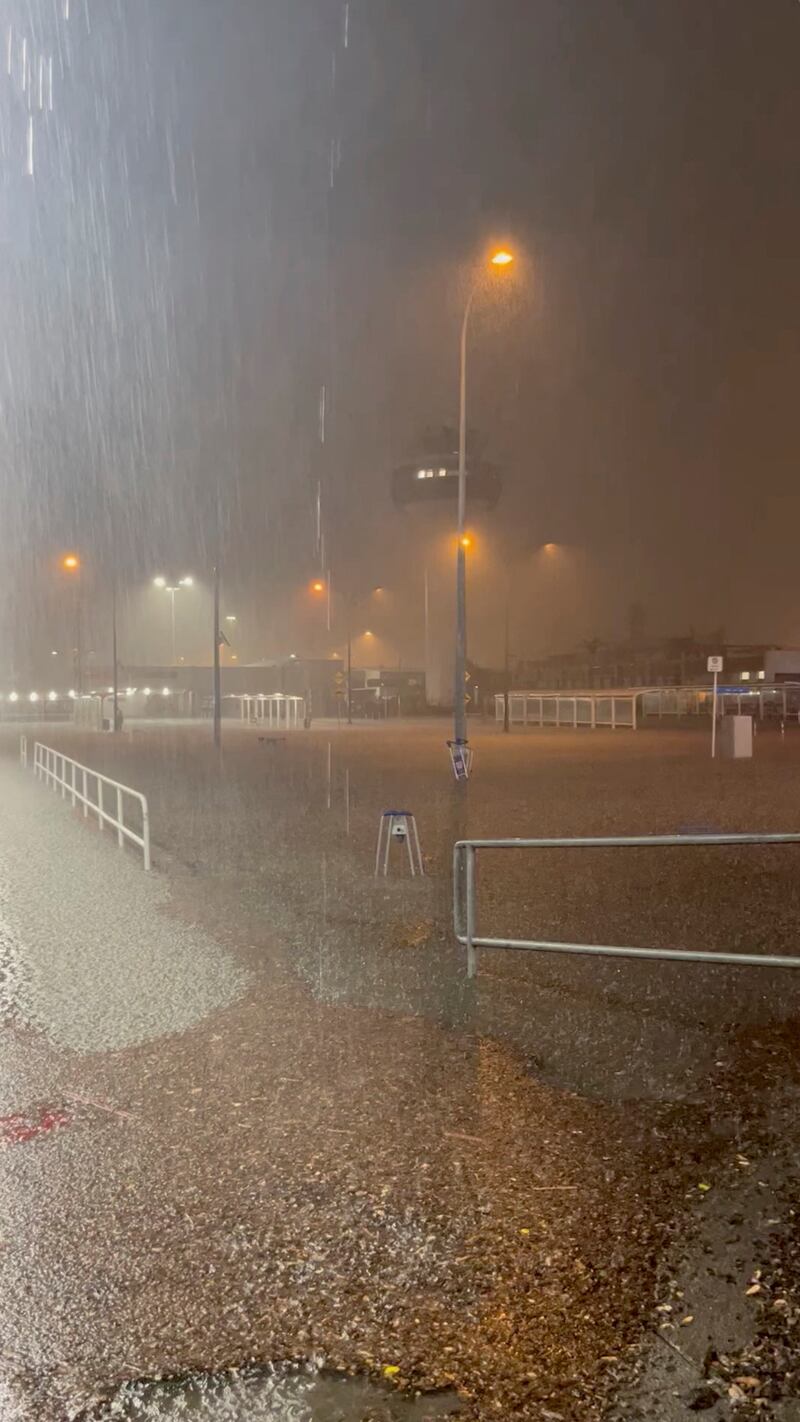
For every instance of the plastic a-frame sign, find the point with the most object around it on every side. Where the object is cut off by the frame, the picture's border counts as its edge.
(460, 759)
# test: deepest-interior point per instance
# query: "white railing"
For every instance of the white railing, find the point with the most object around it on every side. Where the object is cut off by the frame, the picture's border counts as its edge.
(573, 709)
(77, 782)
(276, 708)
(632, 706)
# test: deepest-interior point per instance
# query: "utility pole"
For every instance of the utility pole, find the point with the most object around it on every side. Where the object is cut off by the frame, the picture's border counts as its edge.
(115, 708)
(78, 637)
(349, 660)
(217, 693)
(507, 656)
(460, 688)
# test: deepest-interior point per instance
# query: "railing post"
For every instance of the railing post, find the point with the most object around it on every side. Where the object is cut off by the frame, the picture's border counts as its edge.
(146, 833)
(74, 768)
(457, 857)
(100, 810)
(120, 835)
(472, 956)
(85, 798)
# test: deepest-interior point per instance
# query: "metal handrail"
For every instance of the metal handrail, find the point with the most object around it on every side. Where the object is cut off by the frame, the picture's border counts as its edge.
(464, 922)
(51, 765)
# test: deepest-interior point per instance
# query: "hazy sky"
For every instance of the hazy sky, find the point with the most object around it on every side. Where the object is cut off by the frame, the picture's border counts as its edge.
(179, 279)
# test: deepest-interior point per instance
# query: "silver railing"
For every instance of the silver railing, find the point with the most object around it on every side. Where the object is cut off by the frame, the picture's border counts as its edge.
(99, 795)
(465, 906)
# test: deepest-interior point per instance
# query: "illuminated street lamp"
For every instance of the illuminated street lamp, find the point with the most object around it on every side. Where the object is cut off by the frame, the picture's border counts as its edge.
(350, 600)
(71, 564)
(172, 588)
(500, 260)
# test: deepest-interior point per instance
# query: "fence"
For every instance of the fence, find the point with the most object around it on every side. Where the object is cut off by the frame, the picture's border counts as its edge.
(275, 708)
(778, 702)
(586, 708)
(629, 708)
(465, 913)
(76, 782)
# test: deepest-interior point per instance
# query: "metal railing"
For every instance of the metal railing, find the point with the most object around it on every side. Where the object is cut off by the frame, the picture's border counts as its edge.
(572, 709)
(77, 781)
(465, 902)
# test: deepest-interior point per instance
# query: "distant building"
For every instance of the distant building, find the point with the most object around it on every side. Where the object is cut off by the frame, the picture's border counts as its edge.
(669, 661)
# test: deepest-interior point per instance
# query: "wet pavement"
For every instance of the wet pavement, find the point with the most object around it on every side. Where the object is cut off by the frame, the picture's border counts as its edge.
(307, 1136)
(281, 1395)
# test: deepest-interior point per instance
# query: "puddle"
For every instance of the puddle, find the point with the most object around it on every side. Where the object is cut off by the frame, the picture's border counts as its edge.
(259, 1395)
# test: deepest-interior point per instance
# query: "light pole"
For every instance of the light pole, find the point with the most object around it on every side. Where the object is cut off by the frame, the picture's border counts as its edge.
(217, 677)
(514, 566)
(71, 564)
(115, 689)
(499, 259)
(351, 600)
(172, 589)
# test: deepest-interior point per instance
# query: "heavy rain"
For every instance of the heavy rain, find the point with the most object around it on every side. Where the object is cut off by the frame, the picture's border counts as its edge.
(399, 711)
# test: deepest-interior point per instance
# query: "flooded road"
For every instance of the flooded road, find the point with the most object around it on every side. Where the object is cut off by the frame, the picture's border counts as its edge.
(213, 1153)
(256, 1395)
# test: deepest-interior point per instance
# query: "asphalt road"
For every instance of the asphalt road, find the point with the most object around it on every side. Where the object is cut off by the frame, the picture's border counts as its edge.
(256, 1111)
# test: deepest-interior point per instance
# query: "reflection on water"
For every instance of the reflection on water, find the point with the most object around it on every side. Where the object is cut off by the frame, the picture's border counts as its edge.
(258, 1395)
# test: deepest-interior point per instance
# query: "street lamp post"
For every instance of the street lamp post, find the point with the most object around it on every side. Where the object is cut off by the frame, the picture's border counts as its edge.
(512, 568)
(71, 564)
(499, 259)
(350, 601)
(172, 589)
(349, 661)
(507, 655)
(115, 707)
(217, 674)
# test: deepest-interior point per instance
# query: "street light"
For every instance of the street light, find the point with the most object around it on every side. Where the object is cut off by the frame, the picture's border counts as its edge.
(511, 568)
(172, 588)
(350, 601)
(71, 563)
(499, 260)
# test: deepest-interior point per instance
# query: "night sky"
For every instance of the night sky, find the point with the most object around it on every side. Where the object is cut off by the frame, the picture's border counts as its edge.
(180, 278)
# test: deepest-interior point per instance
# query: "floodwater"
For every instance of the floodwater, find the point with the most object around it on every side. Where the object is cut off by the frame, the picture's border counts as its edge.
(256, 1395)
